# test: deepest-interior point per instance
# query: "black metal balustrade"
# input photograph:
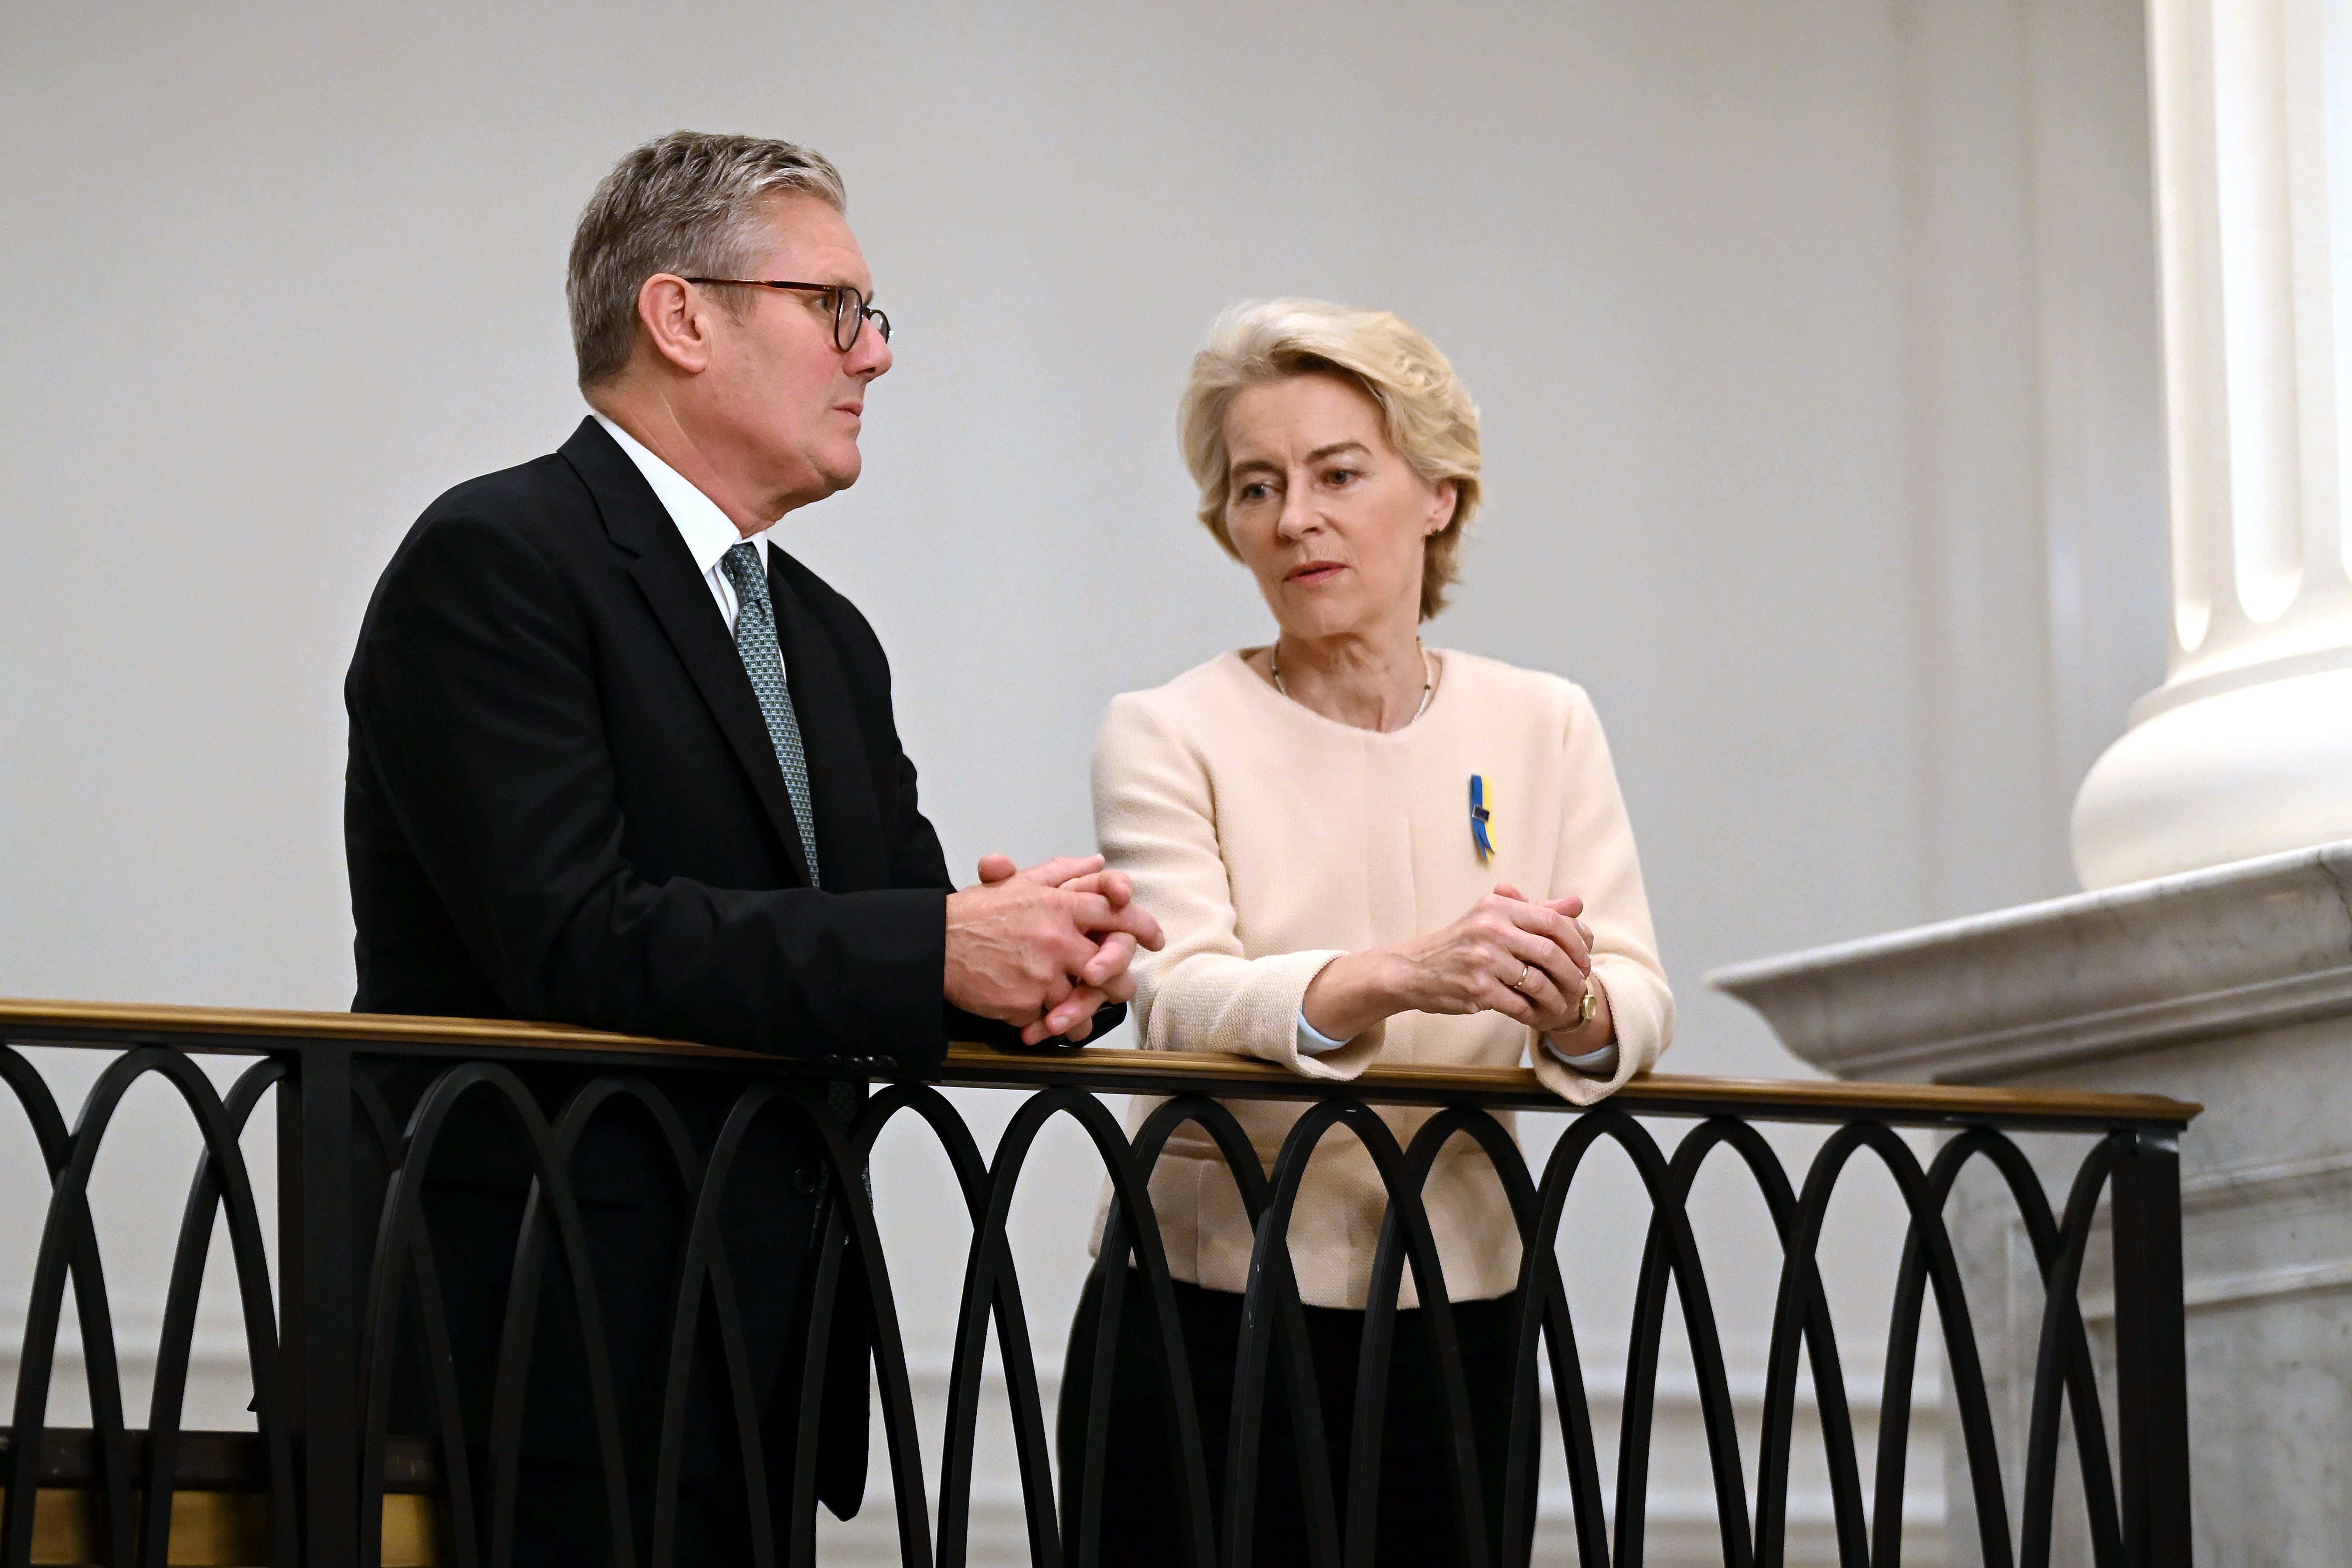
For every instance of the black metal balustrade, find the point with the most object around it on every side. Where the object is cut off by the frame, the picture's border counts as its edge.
(361, 1101)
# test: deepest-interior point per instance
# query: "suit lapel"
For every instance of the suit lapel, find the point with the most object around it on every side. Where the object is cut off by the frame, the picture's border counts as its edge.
(680, 599)
(849, 837)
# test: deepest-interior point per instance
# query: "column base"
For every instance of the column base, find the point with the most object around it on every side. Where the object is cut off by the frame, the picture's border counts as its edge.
(2253, 771)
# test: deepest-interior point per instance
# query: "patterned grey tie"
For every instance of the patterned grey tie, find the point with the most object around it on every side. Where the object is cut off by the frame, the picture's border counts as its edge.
(755, 642)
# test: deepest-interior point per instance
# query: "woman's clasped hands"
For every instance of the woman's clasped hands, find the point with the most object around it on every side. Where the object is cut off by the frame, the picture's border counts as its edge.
(1527, 959)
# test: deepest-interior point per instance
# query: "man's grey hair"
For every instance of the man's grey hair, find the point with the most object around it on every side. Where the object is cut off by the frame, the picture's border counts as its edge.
(689, 202)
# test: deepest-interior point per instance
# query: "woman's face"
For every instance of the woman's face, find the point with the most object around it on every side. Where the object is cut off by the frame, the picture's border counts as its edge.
(1326, 513)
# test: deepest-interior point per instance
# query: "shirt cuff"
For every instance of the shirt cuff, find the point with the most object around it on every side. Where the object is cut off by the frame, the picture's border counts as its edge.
(1601, 1063)
(1314, 1042)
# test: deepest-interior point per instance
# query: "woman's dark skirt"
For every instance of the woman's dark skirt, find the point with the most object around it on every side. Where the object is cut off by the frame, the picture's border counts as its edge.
(1142, 1481)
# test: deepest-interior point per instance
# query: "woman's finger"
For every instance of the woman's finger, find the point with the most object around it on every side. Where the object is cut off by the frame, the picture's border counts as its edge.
(1547, 1000)
(1561, 930)
(1542, 953)
(1500, 997)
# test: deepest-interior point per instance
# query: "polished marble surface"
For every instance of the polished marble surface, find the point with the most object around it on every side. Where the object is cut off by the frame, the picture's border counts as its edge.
(2260, 943)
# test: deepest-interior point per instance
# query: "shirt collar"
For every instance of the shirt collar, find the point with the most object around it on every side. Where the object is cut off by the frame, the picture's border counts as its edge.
(708, 532)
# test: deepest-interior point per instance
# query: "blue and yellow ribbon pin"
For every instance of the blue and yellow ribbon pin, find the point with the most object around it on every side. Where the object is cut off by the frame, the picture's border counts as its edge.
(1479, 817)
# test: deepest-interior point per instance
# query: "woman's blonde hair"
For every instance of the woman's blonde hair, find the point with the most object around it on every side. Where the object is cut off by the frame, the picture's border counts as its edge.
(1431, 420)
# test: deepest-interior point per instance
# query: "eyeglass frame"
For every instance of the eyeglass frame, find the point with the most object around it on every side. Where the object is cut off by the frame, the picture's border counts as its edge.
(862, 312)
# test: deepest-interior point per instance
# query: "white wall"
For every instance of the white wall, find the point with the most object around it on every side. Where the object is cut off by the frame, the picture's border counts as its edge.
(1813, 341)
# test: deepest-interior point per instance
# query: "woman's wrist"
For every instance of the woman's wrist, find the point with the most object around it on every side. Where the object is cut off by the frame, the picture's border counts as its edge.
(1351, 994)
(1595, 1034)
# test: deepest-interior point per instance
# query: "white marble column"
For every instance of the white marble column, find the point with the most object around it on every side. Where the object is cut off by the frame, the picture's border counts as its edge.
(2246, 749)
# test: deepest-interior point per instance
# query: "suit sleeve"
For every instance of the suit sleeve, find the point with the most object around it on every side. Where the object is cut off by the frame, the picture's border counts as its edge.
(1597, 863)
(475, 703)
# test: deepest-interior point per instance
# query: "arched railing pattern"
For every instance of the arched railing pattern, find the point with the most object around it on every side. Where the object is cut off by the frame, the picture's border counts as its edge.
(355, 1329)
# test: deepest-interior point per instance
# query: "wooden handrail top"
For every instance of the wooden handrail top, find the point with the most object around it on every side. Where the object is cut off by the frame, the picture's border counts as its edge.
(1107, 1068)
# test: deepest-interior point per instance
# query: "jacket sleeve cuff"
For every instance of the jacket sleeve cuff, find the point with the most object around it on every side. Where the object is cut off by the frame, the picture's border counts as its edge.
(1284, 981)
(898, 938)
(1643, 1012)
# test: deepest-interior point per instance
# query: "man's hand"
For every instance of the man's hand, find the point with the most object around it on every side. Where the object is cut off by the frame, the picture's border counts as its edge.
(1044, 947)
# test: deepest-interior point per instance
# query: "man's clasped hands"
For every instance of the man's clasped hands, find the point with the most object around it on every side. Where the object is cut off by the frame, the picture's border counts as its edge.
(1045, 947)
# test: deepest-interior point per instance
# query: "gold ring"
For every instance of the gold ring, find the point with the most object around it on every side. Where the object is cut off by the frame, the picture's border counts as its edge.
(1522, 980)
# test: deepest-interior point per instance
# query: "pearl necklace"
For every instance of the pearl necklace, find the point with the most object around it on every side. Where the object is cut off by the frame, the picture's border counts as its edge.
(1428, 676)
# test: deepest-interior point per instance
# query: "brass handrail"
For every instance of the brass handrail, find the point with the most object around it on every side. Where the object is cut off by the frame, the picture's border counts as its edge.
(1115, 1069)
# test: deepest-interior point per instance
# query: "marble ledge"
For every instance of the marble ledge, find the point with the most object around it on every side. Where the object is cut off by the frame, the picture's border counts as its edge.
(2255, 944)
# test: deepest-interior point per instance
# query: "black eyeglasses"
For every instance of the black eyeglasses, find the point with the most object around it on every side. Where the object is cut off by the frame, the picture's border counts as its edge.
(850, 311)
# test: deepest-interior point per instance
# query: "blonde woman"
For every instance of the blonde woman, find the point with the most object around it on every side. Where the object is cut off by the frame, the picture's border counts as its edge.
(1361, 848)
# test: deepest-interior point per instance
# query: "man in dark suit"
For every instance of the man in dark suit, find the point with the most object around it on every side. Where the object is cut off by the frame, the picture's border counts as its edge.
(617, 759)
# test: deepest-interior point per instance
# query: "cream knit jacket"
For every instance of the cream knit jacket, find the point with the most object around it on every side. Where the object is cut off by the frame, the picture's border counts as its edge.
(1269, 840)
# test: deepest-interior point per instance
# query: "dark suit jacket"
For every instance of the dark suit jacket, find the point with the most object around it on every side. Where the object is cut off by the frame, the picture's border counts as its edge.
(562, 802)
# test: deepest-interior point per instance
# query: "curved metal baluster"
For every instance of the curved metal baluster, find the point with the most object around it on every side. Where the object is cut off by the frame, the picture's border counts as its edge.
(1541, 1306)
(1902, 1361)
(1671, 1250)
(1271, 1252)
(702, 1265)
(983, 1300)
(1185, 1434)
(1270, 1279)
(101, 1374)
(1129, 1168)
(990, 1277)
(1375, 1352)
(1509, 1163)
(397, 1251)
(64, 1235)
(1934, 1257)
(1902, 1356)
(2041, 1442)
(851, 1218)
(458, 1531)
(889, 1352)
(991, 1289)
(258, 1300)
(69, 1243)
(2081, 1376)
(173, 1348)
(824, 1287)
(1539, 1258)
(2034, 1208)
(518, 1331)
(1801, 1307)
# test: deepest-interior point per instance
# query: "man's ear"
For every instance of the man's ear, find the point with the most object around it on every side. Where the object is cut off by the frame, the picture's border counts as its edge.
(677, 321)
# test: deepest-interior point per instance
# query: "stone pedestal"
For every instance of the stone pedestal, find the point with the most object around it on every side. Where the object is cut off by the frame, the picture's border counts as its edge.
(2232, 987)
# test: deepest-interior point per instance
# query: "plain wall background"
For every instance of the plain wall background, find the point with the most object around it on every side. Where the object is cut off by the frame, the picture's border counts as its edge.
(1815, 341)
(288, 272)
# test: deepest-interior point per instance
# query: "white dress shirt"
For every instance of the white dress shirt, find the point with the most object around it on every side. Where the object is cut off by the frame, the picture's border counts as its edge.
(708, 532)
